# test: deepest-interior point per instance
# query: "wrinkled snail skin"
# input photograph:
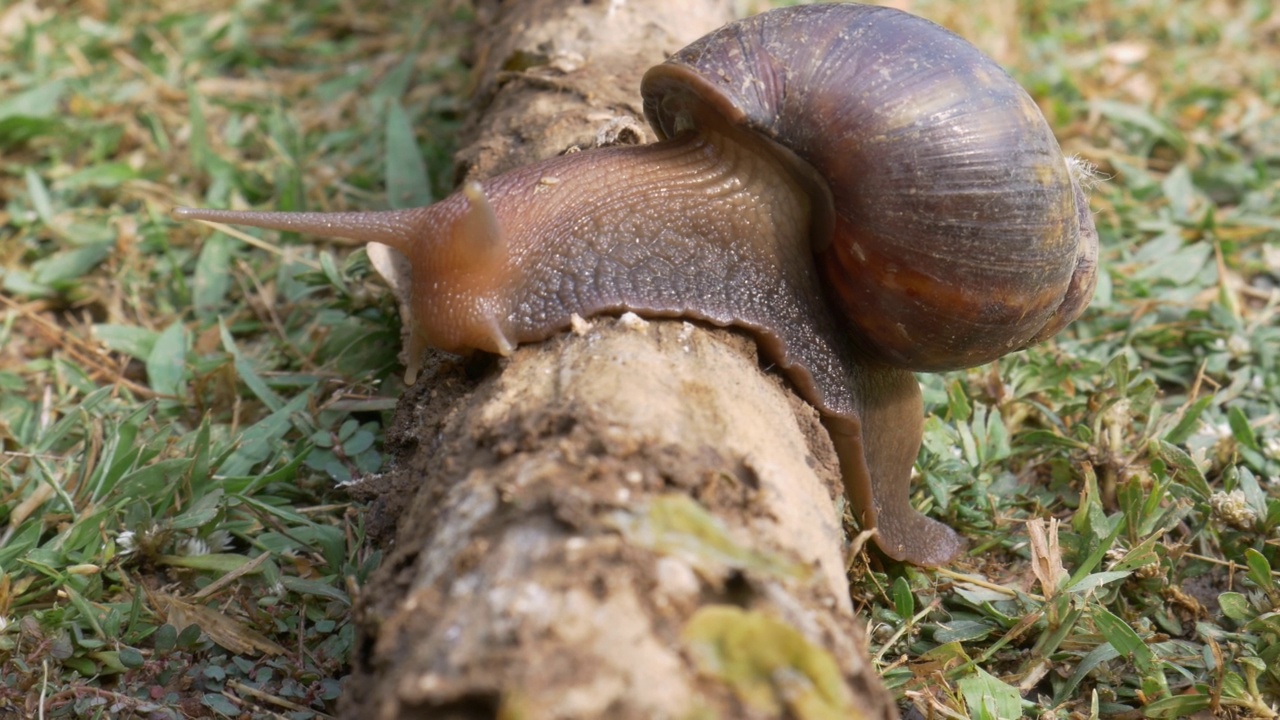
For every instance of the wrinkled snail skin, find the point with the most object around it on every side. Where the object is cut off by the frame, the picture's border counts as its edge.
(860, 189)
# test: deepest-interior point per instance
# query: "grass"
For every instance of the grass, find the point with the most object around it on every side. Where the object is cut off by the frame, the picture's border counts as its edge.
(179, 407)
(1150, 429)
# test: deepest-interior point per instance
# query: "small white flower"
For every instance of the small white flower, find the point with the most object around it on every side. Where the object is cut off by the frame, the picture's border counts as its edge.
(1238, 346)
(1234, 510)
(190, 546)
(219, 541)
(1200, 456)
(1118, 414)
(127, 541)
(1221, 430)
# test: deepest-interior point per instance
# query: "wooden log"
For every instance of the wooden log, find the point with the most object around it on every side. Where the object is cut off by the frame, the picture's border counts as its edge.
(633, 520)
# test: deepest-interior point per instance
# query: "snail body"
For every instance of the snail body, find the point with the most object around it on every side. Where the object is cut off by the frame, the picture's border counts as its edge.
(862, 190)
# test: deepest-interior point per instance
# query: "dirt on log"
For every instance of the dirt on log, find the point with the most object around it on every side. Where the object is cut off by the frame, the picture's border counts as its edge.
(632, 520)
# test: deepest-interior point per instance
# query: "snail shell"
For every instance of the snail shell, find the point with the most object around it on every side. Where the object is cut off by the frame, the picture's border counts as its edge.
(957, 233)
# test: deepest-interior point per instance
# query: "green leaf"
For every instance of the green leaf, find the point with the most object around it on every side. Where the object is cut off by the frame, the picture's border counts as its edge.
(968, 445)
(41, 100)
(87, 611)
(1097, 656)
(332, 274)
(39, 195)
(1188, 422)
(1269, 623)
(134, 341)
(407, 184)
(20, 282)
(1236, 606)
(1123, 638)
(131, 658)
(1140, 117)
(212, 276)
(221, 705)
(262, 441)
(104, 175)
(1240, 428)
(1139, 555)
(201, 464)
(348, 429)
(1179, 706)
(1184, 466)
(247, 372)
(1247, 483)
(1118, 371)
(1096, 580)
(167, 362)
(250, 485)
(203, 511)
(51, 438)
(165, 639)
(216, 562)
(361, 441)
(989, 697)
(21, 543)
(1259, 570)
(65, 266)
(1253, 664)
(961, 631)
(82, 665)
(198, 141)
(395, 83)
(904, 602)
(189, 636)
(369, 461)
(153, 480)
(1048, 438)
(16, 130)
(958, 406)
(316, 588)
(1180, 191)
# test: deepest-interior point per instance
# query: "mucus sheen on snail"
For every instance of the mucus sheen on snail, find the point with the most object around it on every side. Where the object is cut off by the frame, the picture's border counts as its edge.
(863, 191)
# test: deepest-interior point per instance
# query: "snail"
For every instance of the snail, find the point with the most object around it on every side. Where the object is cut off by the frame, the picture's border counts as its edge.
(862, 190)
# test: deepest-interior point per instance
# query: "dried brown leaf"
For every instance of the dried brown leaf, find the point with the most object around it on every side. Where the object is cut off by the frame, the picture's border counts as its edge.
(1046, 558)
(221, 628)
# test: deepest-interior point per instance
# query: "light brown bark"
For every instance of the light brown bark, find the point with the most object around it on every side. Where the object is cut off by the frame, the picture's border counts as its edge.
(630, 521)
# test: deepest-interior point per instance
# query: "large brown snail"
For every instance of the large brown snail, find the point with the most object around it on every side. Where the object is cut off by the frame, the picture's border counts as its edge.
(859, 144)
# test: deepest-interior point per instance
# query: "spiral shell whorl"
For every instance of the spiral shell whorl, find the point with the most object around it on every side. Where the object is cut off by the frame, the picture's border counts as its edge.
(958, 233)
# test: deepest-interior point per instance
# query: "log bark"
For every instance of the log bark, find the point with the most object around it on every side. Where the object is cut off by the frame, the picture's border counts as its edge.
(633, 520)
